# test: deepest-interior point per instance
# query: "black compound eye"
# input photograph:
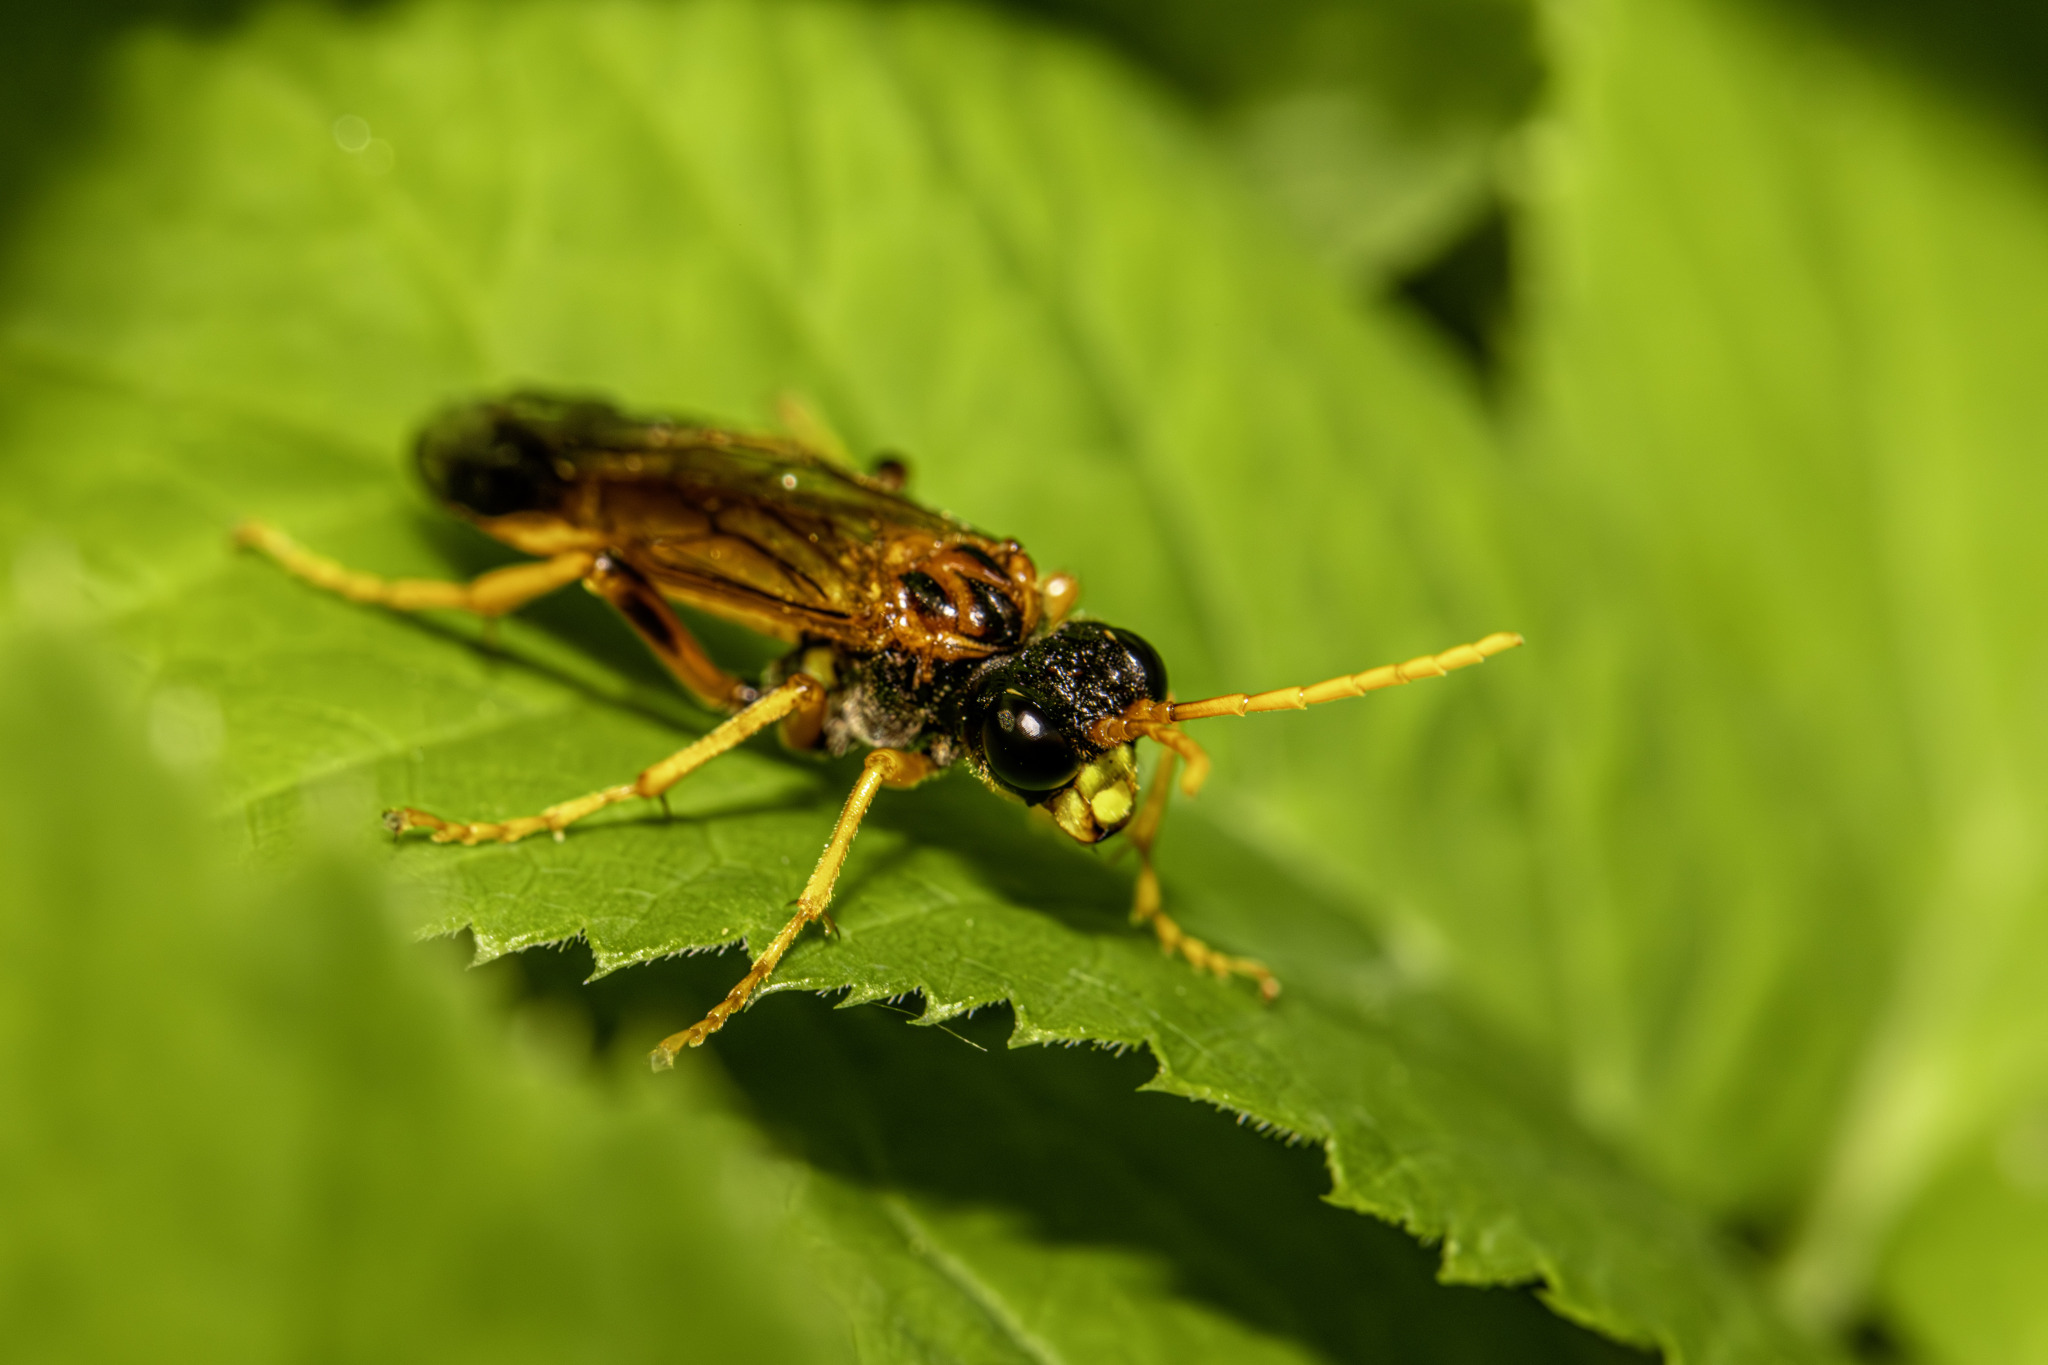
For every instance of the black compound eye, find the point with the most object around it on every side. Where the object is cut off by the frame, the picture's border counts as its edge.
(1022, 748)
(1147, 659)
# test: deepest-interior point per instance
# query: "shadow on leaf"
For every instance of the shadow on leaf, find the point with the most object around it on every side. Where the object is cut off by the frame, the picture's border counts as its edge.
(1069, 1156)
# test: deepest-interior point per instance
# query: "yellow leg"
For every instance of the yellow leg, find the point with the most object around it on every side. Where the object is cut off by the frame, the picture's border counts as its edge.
(1145, 905)
(1177, 741)
(793, 695)
(488, 595)
(884, 768)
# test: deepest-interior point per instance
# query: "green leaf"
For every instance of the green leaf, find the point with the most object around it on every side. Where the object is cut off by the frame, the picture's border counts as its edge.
(251, 1125)
(1791, 297)
(1963, 1273)
(960, 241)
(236, 1113)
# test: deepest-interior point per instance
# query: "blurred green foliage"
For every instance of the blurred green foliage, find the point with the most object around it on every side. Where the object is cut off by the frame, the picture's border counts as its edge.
(246, 1123)
(1719, 908)
(1377, 129)
(1787, 408)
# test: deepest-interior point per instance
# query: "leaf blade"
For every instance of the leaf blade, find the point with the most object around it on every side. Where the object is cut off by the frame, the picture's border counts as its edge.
(1111, 320)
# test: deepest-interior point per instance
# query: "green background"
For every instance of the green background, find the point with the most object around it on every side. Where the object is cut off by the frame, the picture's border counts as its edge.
(1678, 977)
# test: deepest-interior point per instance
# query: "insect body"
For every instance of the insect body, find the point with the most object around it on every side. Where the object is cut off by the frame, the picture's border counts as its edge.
(912, 635)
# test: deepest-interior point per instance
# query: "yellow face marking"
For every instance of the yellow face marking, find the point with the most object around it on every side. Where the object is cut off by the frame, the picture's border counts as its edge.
(1070, 813)
(1112, 806)
(1101, 798)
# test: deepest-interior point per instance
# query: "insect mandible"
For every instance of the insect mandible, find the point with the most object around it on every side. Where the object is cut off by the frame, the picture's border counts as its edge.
(911, 633)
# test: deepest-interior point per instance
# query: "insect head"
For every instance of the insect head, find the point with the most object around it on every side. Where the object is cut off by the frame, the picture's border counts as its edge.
(1029, 717)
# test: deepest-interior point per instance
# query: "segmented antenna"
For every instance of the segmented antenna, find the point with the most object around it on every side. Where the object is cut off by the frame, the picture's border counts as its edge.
(1349, 685)
(1149, 718)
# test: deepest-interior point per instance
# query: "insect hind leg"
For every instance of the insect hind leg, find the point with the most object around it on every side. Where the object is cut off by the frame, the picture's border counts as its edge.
(1147, 906)
(488, 595)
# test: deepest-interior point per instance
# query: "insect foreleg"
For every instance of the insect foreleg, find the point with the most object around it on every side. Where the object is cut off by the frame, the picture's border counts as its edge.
(488, 595)
(653, 781)
(1178, 742)
(1146, 906)
(884, 768)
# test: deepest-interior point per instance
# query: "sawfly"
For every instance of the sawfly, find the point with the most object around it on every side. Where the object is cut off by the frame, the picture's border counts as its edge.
(911, 634)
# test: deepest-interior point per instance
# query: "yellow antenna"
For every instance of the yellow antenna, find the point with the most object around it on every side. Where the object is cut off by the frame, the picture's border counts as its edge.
(1156, 720)
(1336, 689)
